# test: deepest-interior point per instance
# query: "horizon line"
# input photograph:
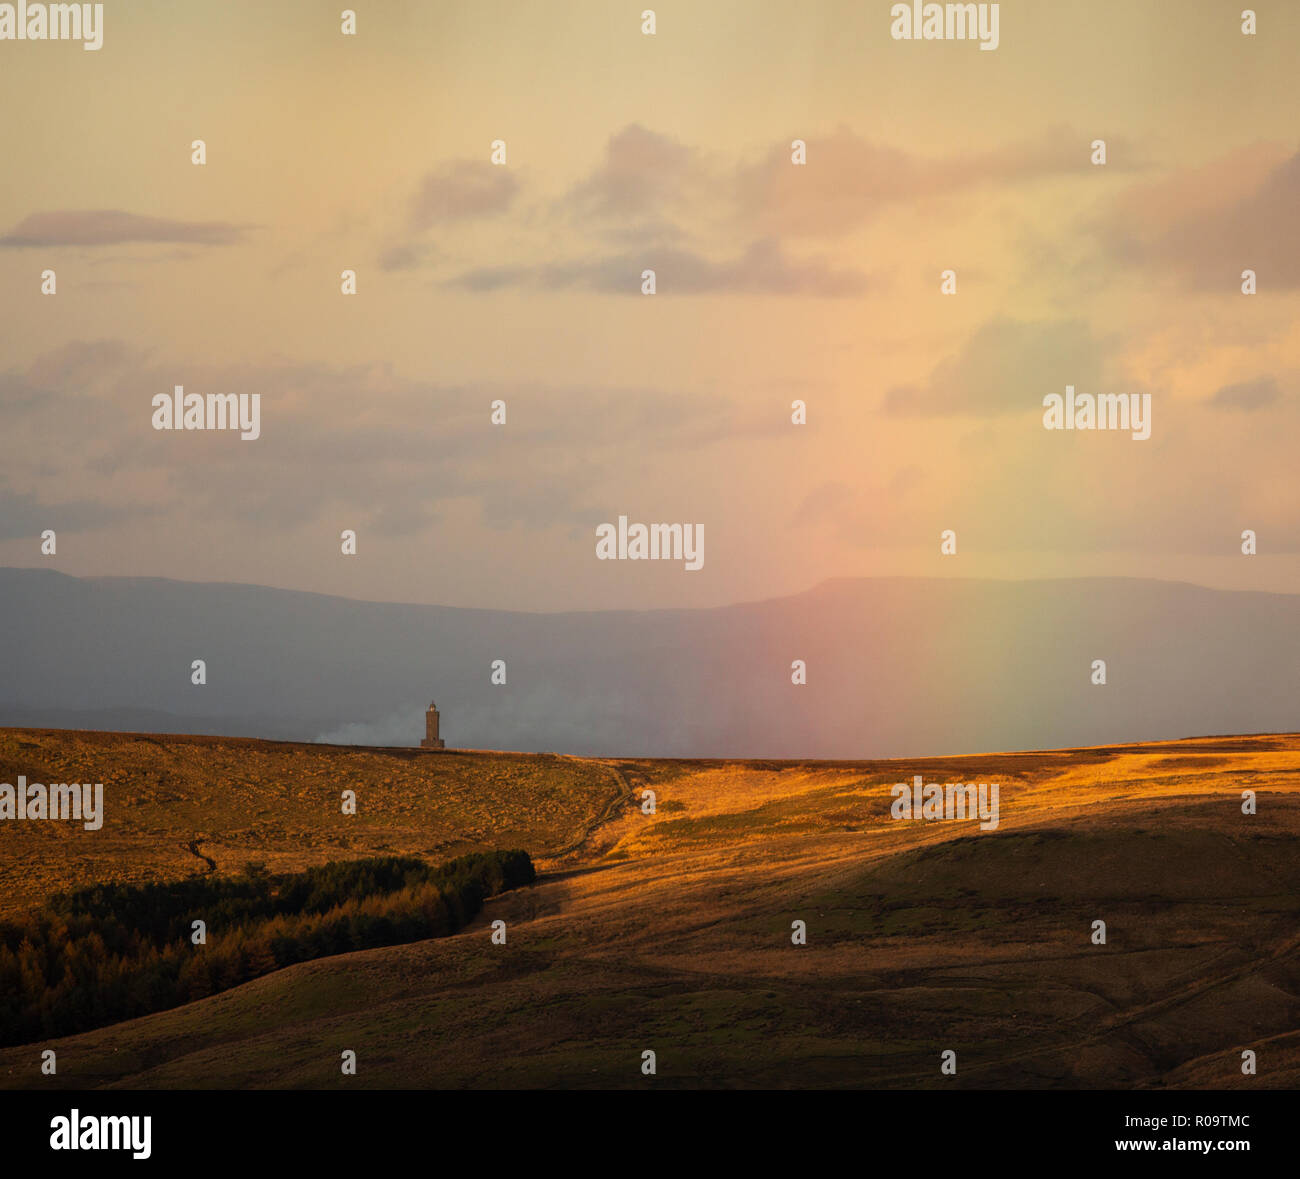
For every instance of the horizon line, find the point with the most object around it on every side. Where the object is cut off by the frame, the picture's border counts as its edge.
(722, 758)
(824, 582)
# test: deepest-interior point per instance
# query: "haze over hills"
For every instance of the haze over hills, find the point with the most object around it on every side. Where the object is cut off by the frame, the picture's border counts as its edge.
(896, 667)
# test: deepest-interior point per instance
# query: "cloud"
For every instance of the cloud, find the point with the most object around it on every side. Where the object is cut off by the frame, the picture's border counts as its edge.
(359, 443)
(79, 362)
(455, 193)
(460, 190)
(642, 173)
(848, 180)
(763, 268)
(1007, 366)
(407, 257)
(1247, 395)
(111, 227)
(23, 515)
(827, 499)
(1210, 223)
(715, 223)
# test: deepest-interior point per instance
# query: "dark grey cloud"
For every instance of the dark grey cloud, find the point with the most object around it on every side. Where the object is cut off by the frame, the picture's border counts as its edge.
(111, 227)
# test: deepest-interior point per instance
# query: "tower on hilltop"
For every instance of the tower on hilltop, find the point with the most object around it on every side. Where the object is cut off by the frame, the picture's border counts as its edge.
(431, 738)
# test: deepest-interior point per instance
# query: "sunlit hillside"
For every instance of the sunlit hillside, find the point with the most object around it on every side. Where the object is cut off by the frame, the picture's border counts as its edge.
(671, 932)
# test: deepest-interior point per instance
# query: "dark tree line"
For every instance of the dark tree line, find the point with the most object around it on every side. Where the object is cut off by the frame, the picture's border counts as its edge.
(114, 952)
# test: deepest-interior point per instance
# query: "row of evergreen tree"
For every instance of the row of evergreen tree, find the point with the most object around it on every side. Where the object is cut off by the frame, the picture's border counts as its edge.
(114, 952)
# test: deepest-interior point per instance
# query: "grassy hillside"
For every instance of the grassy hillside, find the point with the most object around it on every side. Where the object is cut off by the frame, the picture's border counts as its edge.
(175, 805)
(672, 932)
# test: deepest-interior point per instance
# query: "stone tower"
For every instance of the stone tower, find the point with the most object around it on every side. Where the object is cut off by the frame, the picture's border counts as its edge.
(431, 738)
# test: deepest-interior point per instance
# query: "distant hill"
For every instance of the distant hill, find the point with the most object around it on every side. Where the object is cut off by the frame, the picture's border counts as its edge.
(896, 667)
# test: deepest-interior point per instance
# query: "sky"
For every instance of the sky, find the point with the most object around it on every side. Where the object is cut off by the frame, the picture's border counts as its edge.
(775, 282)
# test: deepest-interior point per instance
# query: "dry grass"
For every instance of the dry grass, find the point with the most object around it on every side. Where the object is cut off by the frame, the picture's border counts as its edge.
(279, 803)
(672, 932)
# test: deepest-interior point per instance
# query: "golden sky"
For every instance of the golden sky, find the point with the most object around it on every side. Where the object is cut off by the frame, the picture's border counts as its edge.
(774, 282)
